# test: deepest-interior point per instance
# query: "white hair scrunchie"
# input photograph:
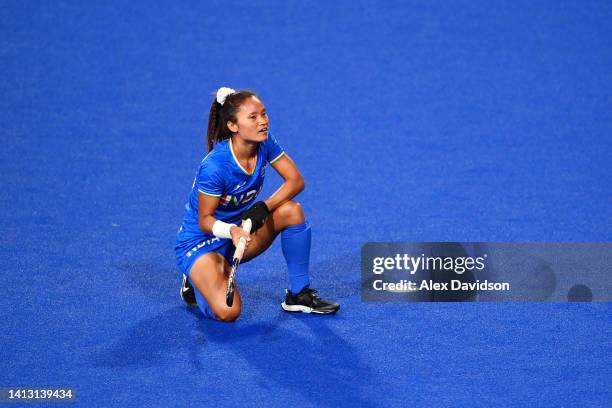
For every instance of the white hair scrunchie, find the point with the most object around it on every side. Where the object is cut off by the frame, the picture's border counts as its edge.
(223, 93)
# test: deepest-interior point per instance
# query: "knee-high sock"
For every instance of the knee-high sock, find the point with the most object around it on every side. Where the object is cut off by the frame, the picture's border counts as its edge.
(295, 242)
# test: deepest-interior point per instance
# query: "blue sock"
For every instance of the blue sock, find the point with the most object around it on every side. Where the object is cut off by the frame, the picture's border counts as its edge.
(295, 242)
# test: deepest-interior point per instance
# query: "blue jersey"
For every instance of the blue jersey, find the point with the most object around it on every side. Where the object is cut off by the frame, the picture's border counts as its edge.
(220, 175)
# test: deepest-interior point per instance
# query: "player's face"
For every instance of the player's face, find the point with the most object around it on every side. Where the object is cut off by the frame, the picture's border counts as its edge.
(251, 121)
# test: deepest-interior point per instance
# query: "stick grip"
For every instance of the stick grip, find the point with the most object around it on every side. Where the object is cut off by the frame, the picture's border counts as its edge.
(246, 225)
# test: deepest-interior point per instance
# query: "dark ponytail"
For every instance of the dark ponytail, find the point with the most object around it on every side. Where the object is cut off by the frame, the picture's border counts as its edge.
(219, 115)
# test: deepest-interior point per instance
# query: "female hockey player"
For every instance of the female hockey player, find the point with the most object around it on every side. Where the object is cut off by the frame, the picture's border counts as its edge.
(224, 193)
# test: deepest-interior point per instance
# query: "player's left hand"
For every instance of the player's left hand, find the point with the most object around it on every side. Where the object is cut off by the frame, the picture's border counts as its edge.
(238, 233)
(257, 213)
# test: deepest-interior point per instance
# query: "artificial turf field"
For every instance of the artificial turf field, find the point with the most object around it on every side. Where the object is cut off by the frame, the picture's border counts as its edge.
(410, 121)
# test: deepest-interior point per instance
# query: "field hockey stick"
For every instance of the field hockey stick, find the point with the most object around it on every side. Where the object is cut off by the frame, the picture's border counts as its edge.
(229, 293)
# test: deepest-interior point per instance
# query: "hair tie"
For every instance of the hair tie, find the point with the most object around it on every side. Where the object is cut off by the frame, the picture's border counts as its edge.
(223, 93)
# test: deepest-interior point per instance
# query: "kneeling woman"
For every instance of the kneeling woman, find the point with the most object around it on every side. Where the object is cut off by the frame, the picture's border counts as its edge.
(223, 194)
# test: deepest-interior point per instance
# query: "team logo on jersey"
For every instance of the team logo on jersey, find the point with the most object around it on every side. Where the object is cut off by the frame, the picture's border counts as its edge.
(228, 199)
(240, 185)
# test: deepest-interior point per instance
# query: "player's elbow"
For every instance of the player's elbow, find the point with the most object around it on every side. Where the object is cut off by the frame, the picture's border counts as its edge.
(300, 184)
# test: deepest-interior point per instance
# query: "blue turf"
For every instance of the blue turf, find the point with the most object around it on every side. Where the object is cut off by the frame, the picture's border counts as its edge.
(411, 121)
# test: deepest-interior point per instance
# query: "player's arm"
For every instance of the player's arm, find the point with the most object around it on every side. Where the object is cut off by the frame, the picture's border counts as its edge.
(206, 219)
(293, 185)
(206, 210)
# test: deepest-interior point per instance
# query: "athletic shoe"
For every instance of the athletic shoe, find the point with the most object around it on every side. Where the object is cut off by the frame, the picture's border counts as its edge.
(307, 301)
(188, 292)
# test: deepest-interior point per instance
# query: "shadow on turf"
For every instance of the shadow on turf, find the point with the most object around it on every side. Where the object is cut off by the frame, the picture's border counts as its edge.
(300, 353)
(155, 281)
(150, 342)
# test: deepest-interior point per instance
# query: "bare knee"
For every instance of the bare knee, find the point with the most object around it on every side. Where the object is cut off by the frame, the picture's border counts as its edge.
(291, 213)
(228, 314)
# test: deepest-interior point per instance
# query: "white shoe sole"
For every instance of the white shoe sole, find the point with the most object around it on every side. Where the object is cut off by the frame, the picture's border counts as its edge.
(303, 309)
(296, 308)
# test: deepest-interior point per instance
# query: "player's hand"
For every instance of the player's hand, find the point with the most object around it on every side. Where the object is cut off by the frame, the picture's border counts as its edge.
(238, 233)
(257, 213)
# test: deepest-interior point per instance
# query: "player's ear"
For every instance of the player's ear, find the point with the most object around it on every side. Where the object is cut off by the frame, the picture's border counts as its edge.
(233, 127)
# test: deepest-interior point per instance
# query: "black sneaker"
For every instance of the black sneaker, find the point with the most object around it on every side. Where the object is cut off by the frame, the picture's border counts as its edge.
(307, 301)
(188, 292)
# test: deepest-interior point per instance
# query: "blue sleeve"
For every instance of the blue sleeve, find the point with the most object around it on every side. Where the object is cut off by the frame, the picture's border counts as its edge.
(273, 149)
(209, 180)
